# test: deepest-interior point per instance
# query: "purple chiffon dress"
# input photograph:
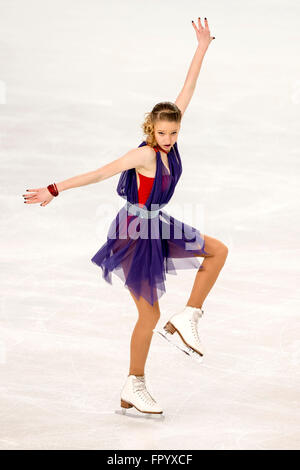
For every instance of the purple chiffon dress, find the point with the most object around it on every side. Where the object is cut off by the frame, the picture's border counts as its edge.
(144, 242)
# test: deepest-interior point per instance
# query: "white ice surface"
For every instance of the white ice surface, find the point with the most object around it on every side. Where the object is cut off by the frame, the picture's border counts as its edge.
(76, 80)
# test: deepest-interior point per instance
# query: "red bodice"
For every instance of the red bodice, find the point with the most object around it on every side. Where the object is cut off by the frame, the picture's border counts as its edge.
(145, 188)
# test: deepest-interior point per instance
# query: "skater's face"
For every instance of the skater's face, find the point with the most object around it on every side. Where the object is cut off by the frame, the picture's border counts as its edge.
(166, 134)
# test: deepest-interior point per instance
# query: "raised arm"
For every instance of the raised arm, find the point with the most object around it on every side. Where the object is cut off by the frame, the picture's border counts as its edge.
(135, 158)
(204, 40)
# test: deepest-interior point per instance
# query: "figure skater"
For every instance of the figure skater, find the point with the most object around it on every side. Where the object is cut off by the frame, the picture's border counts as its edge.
(148, 178)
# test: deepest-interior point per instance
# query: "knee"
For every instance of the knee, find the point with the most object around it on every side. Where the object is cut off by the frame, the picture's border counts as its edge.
(156, 317)
(150, 318)
(222, 250)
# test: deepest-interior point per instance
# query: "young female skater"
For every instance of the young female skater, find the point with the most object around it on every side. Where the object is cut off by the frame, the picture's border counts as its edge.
(144, 242)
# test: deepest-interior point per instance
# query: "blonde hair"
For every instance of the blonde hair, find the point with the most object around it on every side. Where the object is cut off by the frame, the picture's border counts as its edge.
(164, 111)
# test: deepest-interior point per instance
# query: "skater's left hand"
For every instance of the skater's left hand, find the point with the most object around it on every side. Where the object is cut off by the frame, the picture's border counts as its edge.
(203, 33)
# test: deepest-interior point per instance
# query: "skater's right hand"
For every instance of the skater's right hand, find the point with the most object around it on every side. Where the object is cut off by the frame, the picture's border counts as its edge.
(41, 195)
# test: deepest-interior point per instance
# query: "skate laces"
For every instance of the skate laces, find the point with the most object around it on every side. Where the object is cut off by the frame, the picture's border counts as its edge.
(139, 387)
(197, 313)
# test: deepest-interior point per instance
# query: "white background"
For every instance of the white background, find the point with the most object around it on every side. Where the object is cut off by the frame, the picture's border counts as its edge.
(76, 80)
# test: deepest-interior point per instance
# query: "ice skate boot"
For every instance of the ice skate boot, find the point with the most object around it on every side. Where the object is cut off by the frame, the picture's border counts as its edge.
(185, 324)
(134, 394)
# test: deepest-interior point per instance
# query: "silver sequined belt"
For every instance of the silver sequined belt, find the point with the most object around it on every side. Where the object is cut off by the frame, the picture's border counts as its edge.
(140, 211)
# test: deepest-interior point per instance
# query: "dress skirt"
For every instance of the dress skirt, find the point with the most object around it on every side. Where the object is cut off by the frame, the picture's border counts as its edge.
(141, 251)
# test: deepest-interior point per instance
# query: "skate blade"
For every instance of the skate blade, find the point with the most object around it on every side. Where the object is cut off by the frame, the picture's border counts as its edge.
(164, 335)
(181, 346)
(135, 414)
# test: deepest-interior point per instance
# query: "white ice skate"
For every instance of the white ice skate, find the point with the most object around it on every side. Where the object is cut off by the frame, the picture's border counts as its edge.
(134, 394)
(185, 324)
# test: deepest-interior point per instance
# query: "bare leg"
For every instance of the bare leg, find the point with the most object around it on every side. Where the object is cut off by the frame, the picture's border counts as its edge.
(147, 320)
(143, 331)
(142, 334)
(207, 276)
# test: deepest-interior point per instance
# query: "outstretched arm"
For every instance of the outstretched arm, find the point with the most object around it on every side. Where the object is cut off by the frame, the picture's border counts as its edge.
(135, 158)
(204, 40)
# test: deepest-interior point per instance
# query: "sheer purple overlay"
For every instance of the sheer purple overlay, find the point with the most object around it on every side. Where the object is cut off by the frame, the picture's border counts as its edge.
(141, 249)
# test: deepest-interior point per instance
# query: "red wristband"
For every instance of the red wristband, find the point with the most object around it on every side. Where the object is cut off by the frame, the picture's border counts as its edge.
(53, 189)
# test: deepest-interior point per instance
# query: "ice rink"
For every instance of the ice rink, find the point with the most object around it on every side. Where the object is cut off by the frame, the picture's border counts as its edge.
(76, 80)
